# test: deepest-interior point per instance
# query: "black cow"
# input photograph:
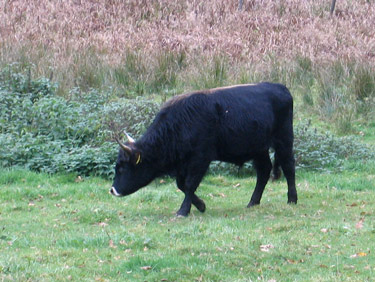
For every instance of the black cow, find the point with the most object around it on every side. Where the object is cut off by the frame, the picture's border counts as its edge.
(232, 124)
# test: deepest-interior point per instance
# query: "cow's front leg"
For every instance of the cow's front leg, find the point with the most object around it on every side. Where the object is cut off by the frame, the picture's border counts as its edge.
(189, 185)
(196, 201)
(185, 206)
(199, 203)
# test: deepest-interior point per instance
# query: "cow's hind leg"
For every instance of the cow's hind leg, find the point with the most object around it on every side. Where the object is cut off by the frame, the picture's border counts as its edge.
(288, 165)
(196, 201)
(276, 172)
(263, 167)
(287, 162)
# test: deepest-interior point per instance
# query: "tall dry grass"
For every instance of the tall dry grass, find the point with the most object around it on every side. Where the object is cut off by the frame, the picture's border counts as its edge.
(281, 28)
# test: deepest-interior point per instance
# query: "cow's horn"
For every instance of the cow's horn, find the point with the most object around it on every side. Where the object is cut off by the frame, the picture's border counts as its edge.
(127, 149)
(131, 140)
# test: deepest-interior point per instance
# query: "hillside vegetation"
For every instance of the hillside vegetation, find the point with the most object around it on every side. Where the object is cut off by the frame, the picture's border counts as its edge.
(163, 48)
(75, 72)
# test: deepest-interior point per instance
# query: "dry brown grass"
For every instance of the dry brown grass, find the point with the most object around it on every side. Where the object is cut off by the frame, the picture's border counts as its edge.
(263, 29)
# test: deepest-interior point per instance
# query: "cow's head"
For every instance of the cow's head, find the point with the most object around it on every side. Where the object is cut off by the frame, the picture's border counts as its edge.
(131, 172)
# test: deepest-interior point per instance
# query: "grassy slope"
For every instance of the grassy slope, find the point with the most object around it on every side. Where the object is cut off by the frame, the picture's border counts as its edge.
(53, 228)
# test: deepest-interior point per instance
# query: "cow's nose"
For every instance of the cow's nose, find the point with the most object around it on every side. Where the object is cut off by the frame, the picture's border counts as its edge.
(113, 192)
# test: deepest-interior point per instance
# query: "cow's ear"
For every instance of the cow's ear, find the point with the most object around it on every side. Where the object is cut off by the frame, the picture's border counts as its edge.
(136, 157)
(123, 156)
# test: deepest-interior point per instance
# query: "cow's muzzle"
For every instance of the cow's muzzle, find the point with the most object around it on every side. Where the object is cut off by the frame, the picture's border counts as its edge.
(113, 192)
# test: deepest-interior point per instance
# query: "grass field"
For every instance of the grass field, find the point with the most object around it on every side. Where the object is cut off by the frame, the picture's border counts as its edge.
(61, 228)
(83, 58)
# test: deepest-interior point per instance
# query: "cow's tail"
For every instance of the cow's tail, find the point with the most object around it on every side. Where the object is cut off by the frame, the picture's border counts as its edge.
(276, 172)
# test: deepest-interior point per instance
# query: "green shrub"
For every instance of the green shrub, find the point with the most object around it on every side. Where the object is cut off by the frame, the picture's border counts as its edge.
(45, 132)
(132, 115)
(324, 151)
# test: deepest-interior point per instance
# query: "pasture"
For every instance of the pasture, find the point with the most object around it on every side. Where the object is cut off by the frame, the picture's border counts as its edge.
(66, 228)
(74, 73)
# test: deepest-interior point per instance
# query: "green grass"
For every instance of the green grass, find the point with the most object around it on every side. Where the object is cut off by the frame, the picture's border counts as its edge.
(367, 132)
(57, 228)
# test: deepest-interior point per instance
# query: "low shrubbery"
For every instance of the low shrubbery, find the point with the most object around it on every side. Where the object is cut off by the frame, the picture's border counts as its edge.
(325, 151)
(45, 132)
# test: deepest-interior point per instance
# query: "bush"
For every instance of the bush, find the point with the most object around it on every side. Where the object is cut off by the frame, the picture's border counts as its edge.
(132, 115)
(45, 132)
(318, 151)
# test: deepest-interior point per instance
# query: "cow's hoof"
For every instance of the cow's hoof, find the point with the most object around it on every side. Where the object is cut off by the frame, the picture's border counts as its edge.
(201, 206)
(292, 198)
(181, 213)
(252, 204)
(292, 202)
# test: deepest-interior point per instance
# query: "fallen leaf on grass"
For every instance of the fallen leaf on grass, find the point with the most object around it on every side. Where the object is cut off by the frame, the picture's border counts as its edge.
(292, 261)
(112, 245)
(199, 279)
(360, 254)
(359, 224)
(266, 248)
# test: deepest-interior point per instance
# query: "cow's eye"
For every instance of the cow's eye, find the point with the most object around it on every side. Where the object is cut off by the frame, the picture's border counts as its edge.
(119, 168)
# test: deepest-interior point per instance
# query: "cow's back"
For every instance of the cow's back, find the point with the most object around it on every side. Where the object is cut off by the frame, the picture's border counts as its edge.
(248, 117)
(231, 124)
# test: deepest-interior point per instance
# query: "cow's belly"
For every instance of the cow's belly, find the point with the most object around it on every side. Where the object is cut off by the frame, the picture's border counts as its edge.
(239, 158)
